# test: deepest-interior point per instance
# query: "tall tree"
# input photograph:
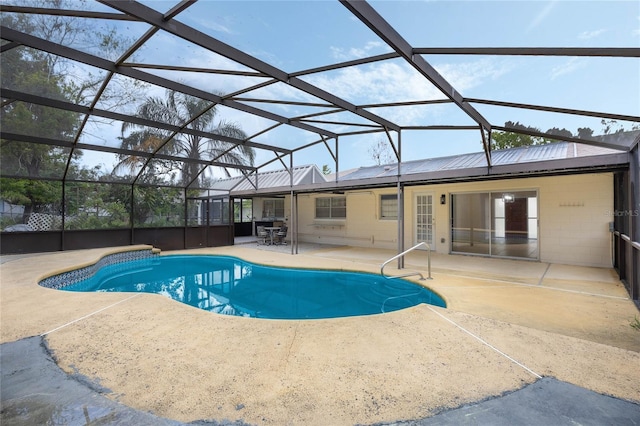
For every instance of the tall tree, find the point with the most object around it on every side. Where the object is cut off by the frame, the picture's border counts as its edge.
(505, 140)
(178, 109)
(29, 70)
(381, 153)
(611, 126)
(80, 84)
(585, 133)
(51, 76)
(560, 132)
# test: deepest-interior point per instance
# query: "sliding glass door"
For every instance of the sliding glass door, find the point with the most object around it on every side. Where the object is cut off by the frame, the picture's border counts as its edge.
(471, 223)
(502, 224)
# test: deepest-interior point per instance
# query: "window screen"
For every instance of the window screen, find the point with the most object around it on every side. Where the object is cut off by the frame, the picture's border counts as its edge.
(389, 206)
(331, 208)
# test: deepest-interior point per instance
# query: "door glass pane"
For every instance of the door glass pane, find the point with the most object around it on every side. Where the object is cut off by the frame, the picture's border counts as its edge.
(471, 223)
(242, 210)
(500, 224)
(424, 219)
(237, 211)
(515, 224)
(247, 210)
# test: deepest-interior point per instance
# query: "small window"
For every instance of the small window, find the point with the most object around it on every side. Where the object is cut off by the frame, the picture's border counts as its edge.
(273, 208)
(389, 207)
(331, 208)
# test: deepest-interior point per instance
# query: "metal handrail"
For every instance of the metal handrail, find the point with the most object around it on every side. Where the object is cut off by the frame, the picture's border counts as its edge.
(411, 273)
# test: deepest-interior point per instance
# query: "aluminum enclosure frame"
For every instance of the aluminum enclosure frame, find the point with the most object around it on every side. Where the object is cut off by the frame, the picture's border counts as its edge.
(322, 130)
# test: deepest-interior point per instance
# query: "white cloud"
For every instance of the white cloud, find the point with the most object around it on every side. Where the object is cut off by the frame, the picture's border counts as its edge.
(467, 75)
(215, 25)
(346, 54)
(570, 66)
(586, 35)
(398, 82)
(382, 82)
(537, 20)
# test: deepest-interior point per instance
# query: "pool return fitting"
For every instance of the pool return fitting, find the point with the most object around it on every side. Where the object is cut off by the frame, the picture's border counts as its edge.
(422, 278)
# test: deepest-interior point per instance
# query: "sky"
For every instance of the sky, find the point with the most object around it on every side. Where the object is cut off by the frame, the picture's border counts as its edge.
(299, 35)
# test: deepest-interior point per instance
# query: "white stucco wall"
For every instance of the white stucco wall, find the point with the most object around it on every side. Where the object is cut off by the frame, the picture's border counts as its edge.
(574, 216)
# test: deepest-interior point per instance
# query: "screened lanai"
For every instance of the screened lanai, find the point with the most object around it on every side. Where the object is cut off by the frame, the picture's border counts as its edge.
(122, 120)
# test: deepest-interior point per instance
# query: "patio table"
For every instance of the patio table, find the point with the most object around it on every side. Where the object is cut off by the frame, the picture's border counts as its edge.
(272, 230)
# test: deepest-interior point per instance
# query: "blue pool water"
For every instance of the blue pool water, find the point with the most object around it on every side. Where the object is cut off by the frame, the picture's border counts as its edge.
(231, 286)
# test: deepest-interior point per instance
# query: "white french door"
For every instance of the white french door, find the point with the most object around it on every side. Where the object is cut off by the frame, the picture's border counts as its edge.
(424, 220)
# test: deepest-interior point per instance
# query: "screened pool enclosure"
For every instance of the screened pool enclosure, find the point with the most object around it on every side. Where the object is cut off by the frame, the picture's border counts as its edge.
(122, 121)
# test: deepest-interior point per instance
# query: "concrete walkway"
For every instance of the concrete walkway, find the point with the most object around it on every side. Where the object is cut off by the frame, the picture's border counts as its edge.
(36, 391)
(520, 343)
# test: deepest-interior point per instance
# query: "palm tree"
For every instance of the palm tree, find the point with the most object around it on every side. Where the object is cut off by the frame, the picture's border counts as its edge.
(185, 111)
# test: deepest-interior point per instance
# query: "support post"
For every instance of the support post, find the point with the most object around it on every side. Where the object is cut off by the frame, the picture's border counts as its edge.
(400, 205)
(295, 203)
(400, 224)
(633, 246)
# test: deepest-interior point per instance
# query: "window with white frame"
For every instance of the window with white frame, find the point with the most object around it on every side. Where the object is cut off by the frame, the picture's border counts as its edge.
(331, 208)
(389, 207)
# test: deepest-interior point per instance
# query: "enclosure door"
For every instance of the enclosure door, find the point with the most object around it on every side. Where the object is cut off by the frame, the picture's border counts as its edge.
(424, 219)
(242, 217)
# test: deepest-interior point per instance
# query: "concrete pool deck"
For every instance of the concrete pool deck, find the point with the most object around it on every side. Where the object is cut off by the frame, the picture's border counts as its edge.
(508, 323)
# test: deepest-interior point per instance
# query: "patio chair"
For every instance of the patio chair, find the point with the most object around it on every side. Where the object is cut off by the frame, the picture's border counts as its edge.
(262, 235)
(279, 237)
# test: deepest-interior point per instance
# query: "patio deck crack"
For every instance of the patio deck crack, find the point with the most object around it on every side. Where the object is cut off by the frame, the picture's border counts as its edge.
(544, 274)
(89, 315)
(484, 342)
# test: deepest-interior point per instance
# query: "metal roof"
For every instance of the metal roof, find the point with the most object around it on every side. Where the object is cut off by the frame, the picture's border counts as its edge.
(513, 156)
(309, 177)
(303, 175)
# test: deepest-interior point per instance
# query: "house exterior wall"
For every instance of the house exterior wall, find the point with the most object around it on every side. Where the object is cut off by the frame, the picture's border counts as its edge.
(574, 213)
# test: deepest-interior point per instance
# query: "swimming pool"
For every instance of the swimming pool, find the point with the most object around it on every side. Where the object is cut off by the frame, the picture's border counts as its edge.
(232, 286)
